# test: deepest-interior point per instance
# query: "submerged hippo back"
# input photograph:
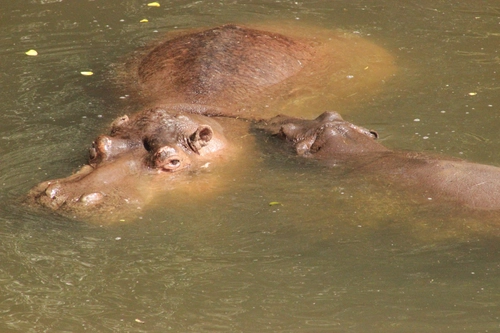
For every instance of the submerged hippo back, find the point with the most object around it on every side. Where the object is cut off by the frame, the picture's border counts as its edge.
(228, 64)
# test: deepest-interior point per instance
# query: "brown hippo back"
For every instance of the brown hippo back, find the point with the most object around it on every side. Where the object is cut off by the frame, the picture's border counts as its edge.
(223, 66)
(256, 72)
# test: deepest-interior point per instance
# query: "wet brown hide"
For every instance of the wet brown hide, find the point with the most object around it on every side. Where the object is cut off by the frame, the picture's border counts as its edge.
(228, 71)
(145, 156)
(338, 143)
(260, 71)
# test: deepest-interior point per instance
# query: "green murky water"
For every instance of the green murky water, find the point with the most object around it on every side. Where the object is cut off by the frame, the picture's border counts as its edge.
(340, 254)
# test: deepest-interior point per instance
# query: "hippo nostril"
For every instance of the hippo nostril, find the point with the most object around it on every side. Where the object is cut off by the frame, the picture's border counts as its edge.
(92, 153)
(146, 144)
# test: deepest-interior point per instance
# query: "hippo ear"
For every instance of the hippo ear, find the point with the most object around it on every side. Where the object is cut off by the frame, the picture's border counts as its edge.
(371, 133)
(200, 138)
(329, 116)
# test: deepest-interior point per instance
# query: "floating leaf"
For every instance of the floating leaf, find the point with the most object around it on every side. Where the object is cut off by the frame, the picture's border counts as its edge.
(144, 21)
(87, 73)
(275, 203)
(32, 53)
(153, 4)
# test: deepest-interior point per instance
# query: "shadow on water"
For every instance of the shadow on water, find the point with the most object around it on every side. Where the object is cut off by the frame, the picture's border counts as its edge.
(343, 255)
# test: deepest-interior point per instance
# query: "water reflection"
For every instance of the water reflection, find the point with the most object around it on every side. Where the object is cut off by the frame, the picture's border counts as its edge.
(337, 256)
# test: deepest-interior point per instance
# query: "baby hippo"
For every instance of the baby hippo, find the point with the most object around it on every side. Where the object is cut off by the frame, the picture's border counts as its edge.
(336, 142)
(140, 155)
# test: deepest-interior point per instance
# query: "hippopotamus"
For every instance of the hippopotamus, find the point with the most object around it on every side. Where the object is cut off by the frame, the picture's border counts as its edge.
(334, 142)
(182, 84)
(155, 145)
(249, 72)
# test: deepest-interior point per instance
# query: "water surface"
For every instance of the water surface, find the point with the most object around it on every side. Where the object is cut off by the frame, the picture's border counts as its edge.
(340, 254)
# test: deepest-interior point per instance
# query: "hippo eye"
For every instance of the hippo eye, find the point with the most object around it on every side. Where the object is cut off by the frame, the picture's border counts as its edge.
(170, 164)
(168, 159)
(174, 163)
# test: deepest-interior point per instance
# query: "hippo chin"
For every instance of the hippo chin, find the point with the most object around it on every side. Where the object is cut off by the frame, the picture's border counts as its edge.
(336, 142)
(154, 146)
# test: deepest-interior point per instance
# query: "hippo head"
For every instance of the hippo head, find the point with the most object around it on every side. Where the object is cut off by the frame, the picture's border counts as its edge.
(327, 136)
(154, 146)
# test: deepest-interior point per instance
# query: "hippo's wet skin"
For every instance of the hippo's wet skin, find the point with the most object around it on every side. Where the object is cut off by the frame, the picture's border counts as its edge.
(336, 142)
(224, 66)
(224, 71)
(154, 144)
(252, 73)
(196, 74)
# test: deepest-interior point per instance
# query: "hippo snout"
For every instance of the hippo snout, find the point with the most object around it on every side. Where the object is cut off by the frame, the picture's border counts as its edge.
(49, 194)
(56, 195)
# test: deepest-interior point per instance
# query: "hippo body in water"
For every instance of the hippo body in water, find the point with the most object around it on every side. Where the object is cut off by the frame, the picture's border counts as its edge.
(338, 143)
(230, 72)
(222, 68)
(254, 73)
